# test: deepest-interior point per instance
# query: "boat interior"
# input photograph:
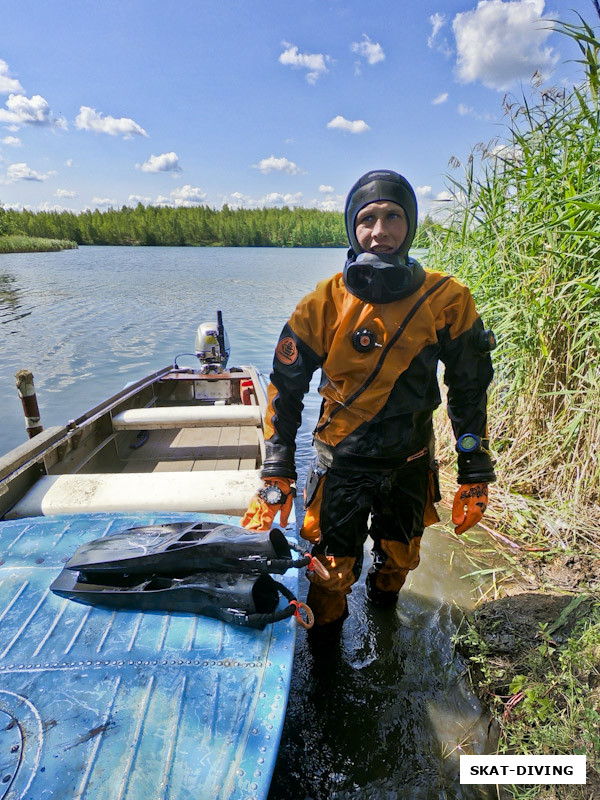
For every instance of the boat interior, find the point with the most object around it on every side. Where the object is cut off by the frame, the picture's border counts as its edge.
(206, 427)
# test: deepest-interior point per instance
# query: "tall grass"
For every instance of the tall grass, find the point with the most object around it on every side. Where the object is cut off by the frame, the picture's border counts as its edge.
(17, 243)
(524, 234)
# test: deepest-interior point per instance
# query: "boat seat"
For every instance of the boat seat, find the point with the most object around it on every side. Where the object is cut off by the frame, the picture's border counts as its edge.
(220, 491)
(136, 419)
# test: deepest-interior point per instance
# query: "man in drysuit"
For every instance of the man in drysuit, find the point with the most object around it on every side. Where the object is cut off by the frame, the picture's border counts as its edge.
(377, 331)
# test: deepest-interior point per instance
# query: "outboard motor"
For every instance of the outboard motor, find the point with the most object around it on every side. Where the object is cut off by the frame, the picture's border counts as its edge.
(212, 345)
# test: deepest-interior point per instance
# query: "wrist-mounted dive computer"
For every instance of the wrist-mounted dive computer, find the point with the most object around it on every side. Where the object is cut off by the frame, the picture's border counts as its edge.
(468, 443)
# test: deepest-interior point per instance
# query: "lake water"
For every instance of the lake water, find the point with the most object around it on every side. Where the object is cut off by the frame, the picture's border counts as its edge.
(387, 715)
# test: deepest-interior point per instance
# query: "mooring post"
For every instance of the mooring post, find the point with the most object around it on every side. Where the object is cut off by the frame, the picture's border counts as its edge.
(29, 400)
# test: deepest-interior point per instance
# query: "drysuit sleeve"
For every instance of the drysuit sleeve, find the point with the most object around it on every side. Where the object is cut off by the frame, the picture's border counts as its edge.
(294, 363)
(468, 374)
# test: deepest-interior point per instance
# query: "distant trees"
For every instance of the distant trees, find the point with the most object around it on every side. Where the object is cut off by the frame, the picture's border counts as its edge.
(177, 227)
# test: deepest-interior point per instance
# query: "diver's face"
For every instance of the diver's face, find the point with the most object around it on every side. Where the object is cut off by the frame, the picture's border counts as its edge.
(381, 227)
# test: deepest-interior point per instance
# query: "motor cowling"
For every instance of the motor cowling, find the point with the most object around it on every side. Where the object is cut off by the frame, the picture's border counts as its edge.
(212, 344)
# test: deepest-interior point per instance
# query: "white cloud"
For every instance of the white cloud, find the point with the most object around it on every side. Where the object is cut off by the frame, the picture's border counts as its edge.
(326, 189)
(89, 119)
(275, 164)
(441, 98)
(424, 192)
(240, 200)
(103, 202)
(184, 196)
(69, 162)
(21, 172)
(188, 195)
(349, 126)
(166, 162)
(66, 193)
(501, 42)
(11, 141)
(468, 111)
(8, 84)
(138, 198)
(21, 110)
(315, 63)
(371, 51)
(437, 23)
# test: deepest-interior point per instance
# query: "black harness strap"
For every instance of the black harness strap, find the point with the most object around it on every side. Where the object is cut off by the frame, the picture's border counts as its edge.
(386, 350)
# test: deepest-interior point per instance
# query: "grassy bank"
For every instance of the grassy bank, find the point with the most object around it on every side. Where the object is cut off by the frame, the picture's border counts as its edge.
(523, 233)
(33, 244)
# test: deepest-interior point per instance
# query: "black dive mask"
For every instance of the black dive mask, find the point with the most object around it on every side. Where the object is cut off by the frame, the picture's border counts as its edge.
(382, 278)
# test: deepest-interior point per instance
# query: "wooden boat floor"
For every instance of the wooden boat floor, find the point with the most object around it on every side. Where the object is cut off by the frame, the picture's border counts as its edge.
(191, 449)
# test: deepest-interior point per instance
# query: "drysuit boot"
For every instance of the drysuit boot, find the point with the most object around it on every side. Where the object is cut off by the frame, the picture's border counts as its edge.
(377, 596)
(327, 634)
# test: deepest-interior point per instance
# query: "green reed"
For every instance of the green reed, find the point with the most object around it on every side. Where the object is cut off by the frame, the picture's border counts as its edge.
(523, 231)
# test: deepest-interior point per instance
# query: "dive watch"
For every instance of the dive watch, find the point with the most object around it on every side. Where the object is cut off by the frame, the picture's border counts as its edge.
(272, 494)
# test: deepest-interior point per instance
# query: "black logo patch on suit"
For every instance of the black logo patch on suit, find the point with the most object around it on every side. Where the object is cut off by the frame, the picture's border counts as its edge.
(363, 340)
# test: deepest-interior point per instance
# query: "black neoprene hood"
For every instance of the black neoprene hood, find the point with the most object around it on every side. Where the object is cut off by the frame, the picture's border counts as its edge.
(378, 185)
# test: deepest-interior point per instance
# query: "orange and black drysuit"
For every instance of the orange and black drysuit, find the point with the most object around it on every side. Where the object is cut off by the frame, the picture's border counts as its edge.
(374, 439)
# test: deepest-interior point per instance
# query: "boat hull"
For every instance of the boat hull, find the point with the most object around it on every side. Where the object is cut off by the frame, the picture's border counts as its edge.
(109, 704)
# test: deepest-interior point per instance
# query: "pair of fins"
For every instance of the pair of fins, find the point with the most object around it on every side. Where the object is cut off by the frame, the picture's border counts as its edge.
(217, 570)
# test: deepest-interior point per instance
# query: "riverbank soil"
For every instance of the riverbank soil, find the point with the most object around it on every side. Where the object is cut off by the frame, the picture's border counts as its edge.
(534, 661)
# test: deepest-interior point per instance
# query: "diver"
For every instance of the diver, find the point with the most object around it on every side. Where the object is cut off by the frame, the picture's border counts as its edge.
(377, 331)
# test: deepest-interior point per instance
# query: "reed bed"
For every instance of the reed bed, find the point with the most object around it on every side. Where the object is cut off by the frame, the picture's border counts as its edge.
(16, 243)
(523, 231)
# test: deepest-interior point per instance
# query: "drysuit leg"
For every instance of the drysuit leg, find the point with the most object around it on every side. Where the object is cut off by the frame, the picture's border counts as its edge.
(397, 524)
(343, 501)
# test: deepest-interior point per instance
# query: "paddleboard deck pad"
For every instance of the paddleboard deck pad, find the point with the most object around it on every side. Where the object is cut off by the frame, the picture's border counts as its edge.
(115, 704)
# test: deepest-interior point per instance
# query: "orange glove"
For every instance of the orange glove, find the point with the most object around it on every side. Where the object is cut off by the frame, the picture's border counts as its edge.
(470, 503)
(260, 514)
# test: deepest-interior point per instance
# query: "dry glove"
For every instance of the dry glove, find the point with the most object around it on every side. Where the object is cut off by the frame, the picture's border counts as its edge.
(276, 495)
(470, 503)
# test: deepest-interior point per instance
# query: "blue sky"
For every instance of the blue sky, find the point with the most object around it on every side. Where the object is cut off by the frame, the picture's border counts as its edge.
(257, 102)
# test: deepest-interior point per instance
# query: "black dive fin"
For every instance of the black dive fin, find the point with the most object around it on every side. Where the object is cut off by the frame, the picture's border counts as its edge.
(184, 548)
(248, 600)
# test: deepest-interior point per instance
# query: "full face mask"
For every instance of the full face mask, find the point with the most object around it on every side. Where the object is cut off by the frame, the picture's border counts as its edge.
(379, 277)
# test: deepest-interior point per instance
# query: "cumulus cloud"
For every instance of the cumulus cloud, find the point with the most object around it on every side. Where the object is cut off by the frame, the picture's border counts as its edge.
(277, 164)
(372, 52)
(166, 162)
(315, 63)
(89, 119)
(185, 196)
(138, 198)
(8, 84)
(441, 98)
(277, 199)
(103, 202)
(326, 189)
(21, 172)
(11, 141)
(502, 42)
(21, 110)
(424, 192)
(66, 193)
(349, 126)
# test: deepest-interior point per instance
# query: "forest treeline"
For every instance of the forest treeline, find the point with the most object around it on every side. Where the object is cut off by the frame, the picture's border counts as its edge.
(179, 227)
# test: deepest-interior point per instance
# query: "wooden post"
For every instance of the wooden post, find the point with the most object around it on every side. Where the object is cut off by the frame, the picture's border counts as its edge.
(29, 400)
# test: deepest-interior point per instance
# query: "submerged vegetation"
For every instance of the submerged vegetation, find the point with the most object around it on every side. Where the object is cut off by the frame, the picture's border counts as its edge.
(523, 232)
